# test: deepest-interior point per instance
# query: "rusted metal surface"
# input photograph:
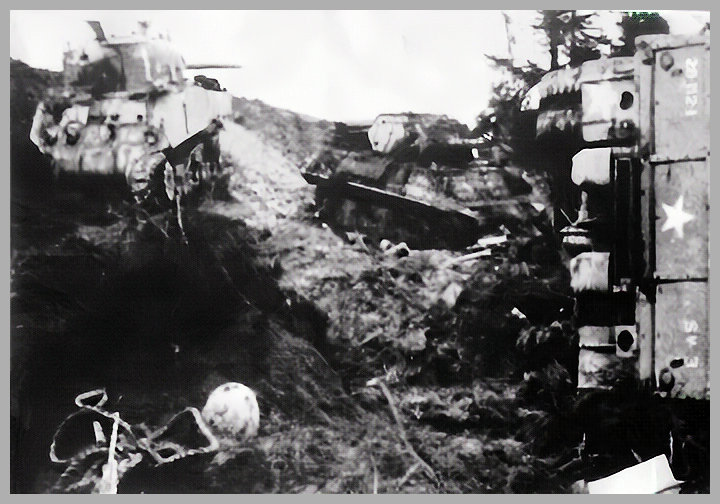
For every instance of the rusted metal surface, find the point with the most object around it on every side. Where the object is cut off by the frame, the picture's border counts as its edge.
(681, 227)
(682, 337)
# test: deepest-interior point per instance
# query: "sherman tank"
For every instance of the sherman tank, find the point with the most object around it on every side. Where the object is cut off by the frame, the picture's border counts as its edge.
(632, 197)
(123, 100)
(418, 178)
(627, 139)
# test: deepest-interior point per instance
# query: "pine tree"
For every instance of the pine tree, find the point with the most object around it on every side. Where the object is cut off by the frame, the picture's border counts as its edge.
(633, 25)
(572, 35)
(501, 122)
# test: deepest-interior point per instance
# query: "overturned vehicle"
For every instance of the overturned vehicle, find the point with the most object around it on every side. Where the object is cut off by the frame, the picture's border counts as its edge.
(631, 162)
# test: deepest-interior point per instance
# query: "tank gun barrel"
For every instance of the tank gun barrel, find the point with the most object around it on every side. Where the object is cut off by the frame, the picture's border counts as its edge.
(200, 66)
(179, 154)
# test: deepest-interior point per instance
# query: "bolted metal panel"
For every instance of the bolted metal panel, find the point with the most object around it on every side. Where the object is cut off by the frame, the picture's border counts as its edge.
(682, 337)
(682, 103)
(681, 228)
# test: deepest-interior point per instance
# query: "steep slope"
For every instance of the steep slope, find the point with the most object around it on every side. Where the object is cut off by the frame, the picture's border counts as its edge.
(268, 295)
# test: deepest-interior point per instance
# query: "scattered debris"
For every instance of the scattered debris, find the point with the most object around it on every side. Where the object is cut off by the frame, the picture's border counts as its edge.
(649, 477)
(451, 293)
(489, 241)
(468, 257)
(76, 442)
(403, 436)
(306, 315)
(109, 481)
(399, 250)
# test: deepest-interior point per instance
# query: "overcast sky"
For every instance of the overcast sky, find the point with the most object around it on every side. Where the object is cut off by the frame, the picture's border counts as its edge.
(337, 65)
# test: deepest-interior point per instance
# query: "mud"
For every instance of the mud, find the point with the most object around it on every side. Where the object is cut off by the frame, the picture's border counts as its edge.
(266, 294)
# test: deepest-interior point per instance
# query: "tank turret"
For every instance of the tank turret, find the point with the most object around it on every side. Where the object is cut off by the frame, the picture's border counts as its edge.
(122, 98)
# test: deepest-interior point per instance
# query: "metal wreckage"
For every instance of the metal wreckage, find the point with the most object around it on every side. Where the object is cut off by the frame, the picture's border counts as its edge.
(627, 139)
(638, 189)
(632, 211)
(638, 127)
(422, 179)
(631, 191)
(637, 130)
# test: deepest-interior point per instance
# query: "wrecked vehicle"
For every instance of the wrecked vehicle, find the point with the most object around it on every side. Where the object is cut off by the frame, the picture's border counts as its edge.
(640, 155)
(123, 98)
(632, 197)
(420, 179)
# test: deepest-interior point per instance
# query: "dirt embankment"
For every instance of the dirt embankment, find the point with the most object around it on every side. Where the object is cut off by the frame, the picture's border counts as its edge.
(374, 372)
(29, 171)
(267, 295)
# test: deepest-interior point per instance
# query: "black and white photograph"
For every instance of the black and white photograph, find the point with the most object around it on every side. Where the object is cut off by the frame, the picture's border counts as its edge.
(359, 252)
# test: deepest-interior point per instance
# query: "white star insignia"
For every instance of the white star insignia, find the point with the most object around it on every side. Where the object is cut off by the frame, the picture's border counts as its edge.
(676, 217)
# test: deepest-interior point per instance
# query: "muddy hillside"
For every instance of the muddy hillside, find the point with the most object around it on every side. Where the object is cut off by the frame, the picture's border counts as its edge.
(378, 367)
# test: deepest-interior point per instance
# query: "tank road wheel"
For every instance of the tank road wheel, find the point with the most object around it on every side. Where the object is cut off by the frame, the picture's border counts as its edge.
(144, 176)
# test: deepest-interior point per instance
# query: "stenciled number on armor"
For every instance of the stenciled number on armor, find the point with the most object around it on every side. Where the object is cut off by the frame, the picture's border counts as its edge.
(690, 326)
